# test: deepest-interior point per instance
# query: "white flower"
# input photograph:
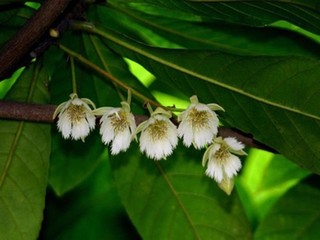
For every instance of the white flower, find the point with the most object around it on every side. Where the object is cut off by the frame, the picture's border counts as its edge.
(76, 119)
(158, 135)
(198, 124)
(222, 165)
(117, 126)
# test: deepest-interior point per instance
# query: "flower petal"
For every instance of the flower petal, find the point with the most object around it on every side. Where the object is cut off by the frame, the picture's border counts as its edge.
(232, 166)
(121, 142)
(234, 144)
(214, 170)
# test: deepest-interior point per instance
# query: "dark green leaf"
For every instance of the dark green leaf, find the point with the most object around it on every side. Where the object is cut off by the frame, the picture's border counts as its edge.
(90, 211)
(172, 198)
(222, 37)
(258, 93)
(11, 21)
(252, 13)
(25, 150)
(73, 161)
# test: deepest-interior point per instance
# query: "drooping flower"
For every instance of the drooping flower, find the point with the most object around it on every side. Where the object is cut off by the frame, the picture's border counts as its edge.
(76, 119)
(117, 126)
(198, 123)
(158, 135)
(222, 164)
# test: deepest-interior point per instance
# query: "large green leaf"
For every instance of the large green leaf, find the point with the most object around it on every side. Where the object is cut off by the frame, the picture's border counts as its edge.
(295, 216)
(254, 13)
(173, 198)
(274, 98)
(222, 37)
(24, 158)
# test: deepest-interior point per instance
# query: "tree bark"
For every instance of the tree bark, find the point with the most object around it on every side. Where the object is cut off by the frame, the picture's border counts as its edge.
(22, 43)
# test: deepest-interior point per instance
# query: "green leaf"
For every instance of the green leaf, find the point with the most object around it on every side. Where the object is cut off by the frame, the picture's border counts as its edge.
(295, 216)
(259, 94)
(11, 21)
(252, 13)
(265, 178)
(222, 37)
(121, 20)
(100, 54)
(73, 161)
(24, 160)
(172, 198)
(92, 210)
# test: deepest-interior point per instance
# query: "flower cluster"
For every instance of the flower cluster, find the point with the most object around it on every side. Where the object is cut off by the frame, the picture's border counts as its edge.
(198, 126)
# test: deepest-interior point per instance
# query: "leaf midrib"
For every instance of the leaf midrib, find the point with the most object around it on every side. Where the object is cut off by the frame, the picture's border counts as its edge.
(182, 207)
(11, 154)
(18, 134)
(139, 50)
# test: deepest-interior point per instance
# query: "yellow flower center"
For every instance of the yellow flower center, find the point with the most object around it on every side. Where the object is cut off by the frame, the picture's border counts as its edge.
(222, 154)
(158, 129)
(76, 112)
(199, 119)
(119, 121)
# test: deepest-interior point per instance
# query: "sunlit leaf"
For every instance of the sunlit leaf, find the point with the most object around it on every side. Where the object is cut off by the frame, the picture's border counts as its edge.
(265, 178)
(295, 215)
(24, 160)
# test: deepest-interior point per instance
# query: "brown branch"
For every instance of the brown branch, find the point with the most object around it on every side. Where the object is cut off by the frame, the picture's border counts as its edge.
(44, 113)
(26, 111)
(245, 138)
(22, 42)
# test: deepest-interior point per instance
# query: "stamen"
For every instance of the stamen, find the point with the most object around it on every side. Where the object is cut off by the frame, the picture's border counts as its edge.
(119, 121)
(158, 130)
(76, 112)
(199, 119)
(222, 154)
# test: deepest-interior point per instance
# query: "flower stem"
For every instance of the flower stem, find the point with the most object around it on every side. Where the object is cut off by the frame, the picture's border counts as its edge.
(104, 63)
(149, 108)
(129, 97)
(106, 74)
(73, 76)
